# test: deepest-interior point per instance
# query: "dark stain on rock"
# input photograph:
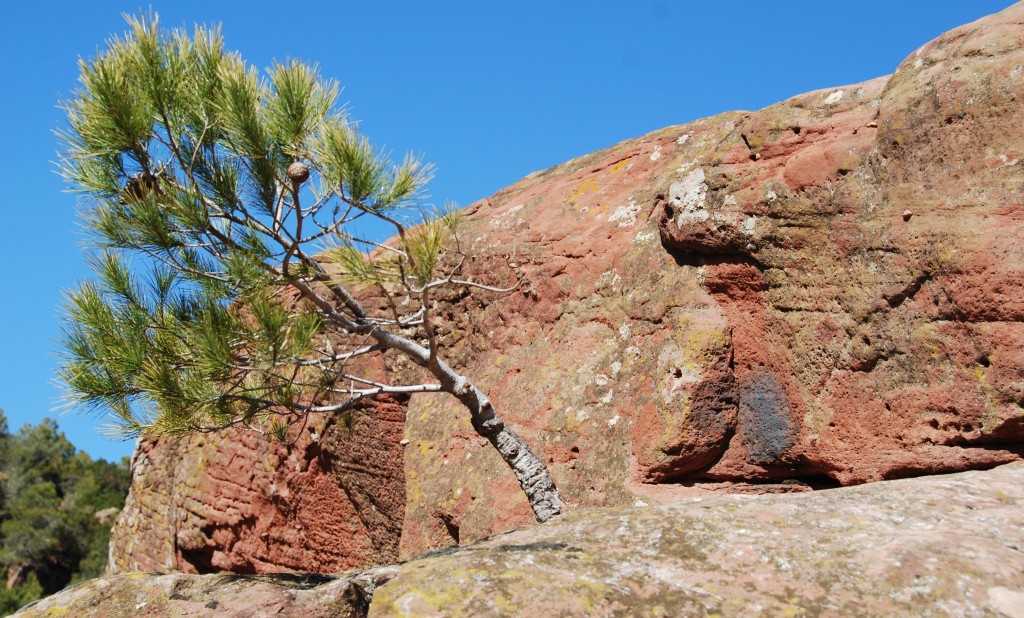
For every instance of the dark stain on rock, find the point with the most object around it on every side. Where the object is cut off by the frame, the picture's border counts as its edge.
(765, 419)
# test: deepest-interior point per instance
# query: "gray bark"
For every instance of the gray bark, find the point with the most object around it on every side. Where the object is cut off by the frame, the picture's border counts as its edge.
(533, 476)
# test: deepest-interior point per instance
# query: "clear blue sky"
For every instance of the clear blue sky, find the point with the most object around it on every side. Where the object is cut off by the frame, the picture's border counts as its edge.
(487, 91)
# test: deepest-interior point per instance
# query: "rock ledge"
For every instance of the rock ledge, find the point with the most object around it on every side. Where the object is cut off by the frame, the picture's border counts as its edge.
(932, 546)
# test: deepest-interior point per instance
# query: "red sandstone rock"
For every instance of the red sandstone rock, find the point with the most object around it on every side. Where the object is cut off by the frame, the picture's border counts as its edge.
(238, 502)
(735, 301)
(785, 322)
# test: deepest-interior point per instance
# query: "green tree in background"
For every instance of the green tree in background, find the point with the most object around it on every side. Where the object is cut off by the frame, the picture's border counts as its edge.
(228, 286)
(38, 536)
(56, 514)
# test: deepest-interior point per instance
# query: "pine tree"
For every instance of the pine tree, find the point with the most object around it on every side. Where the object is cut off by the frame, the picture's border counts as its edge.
(229, 289)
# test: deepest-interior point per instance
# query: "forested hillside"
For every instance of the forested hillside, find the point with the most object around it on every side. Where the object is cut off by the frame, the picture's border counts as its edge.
(56, 508)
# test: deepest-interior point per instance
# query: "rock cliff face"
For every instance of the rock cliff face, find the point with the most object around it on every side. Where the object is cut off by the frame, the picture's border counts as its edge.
(826, 292)
(938, 546)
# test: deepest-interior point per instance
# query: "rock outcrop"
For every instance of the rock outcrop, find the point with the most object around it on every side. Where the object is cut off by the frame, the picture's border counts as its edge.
(241, 503)
(948, 545)
(826, 292)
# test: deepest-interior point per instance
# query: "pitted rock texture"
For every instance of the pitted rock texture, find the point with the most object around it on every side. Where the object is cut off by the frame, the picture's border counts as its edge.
(949, 545)
(239, 502)
(826, 292)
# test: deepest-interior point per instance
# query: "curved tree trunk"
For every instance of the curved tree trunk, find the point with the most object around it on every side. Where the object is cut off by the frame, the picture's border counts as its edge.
(533, 476)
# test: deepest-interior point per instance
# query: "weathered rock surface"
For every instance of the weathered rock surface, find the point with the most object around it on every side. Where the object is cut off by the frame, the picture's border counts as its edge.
(826, 292)
(743, 299)
(239, 502)
(949, 545)
(238, 596)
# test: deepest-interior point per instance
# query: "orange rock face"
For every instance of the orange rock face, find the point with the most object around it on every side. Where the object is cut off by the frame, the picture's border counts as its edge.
(738, 303)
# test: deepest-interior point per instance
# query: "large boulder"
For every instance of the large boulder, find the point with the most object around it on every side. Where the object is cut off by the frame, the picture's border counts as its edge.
(826, 292)
(937, 546)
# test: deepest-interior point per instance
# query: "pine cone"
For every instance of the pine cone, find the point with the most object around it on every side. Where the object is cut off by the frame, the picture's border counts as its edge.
(298, 173)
